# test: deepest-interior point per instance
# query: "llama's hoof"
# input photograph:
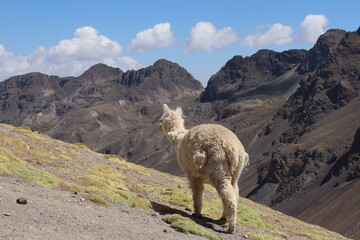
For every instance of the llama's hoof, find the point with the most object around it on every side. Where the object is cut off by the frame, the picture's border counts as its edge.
(230, 230)
(222, 221)
(197, 215)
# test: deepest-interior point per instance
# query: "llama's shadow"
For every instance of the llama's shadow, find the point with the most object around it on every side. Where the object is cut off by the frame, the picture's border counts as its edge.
(216, 225)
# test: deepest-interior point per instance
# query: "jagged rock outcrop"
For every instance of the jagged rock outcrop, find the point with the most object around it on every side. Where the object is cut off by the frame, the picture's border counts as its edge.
(348, 164)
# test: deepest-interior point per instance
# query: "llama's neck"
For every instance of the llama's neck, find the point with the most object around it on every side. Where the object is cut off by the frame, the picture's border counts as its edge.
(176, 137)
(177, 131)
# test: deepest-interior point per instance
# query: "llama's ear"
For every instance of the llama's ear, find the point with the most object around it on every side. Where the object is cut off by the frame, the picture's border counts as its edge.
(179, 111)
(166, 112)
(166, 108)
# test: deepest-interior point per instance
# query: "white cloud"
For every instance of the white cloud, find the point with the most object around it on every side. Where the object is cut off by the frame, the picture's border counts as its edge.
(159, 36)
(312, 27)
(204, 36)
(10, 63)
(86, 45)
(277, 34)
(69, 57)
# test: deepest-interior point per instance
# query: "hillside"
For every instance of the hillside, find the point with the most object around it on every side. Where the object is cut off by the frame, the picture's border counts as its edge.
(74, 193)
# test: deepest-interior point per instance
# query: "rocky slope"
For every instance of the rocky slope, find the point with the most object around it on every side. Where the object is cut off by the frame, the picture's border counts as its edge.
(303, 135)
(74, 193)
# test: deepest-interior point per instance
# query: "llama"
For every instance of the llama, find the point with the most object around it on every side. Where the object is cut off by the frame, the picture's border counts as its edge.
(207, 152)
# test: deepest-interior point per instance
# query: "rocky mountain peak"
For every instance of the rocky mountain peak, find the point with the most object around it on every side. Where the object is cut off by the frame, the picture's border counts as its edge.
(101, 70)
(323, 50)
(162, 80)
(240, 74)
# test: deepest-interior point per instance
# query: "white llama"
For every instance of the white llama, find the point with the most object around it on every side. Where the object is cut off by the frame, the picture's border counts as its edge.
(207, 152)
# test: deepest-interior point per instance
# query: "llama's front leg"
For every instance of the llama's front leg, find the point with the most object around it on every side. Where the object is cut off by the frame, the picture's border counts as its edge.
(197, 188)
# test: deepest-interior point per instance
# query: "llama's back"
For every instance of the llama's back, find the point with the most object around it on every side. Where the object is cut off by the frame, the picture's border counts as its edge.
(209, 146)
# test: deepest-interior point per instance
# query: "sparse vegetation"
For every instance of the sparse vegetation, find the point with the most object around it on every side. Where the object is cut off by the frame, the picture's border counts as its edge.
(186, 225)
(83, 146)
(96, 199)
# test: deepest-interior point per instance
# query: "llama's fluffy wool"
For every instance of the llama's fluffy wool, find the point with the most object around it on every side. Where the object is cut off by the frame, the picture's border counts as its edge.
(207, 152)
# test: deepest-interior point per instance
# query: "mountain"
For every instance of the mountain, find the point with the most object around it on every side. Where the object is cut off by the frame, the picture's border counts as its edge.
(72, 192)
(110, 110)
(301, 130)
(296, 112)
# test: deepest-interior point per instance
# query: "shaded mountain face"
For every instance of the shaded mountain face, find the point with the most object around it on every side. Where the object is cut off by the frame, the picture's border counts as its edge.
(316, 117)
(240, 75)
(313, 152)
(296, 112)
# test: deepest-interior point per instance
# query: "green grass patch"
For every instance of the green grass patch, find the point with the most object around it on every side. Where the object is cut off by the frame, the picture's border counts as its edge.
(174, 195)
(27, 131)
(106, 181)
(10, 164)
(188, 226)
(249, 216)
(82, 146)
(114, 158)
(96, 199)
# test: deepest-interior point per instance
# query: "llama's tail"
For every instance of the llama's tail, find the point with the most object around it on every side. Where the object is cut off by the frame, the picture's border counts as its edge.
(238, 162)
(241, 164)
(244, 161)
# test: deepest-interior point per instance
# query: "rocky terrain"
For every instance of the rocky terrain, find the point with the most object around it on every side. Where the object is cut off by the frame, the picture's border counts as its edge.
(296, 112)
(71, 192)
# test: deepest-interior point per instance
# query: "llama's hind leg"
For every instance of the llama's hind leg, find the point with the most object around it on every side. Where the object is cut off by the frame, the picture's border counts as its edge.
(236, 192)
(229, 198)
(197, 188)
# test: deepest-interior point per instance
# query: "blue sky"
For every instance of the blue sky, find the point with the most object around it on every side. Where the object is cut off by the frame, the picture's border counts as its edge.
(66, 37)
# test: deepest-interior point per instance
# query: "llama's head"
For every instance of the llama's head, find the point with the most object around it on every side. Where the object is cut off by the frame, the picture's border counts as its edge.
(171, 121)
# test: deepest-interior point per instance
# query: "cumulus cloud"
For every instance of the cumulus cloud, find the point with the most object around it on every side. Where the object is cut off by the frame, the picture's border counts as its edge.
(277, 34)
(312, 27)
(159, 36)
(86, 45)
(204, 36)
(69, 57)
(10, 63)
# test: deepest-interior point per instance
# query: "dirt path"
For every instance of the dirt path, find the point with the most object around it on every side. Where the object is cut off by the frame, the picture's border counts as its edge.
(55, 214)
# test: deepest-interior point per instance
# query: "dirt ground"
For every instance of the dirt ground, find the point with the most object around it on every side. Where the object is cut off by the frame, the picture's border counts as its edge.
(55, 214)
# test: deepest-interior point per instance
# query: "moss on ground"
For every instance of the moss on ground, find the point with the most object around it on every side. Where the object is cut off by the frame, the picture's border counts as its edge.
(96, 199)
(186, 225)
(104, 180)
(82, 146)
(251, 217)
(12, 165)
